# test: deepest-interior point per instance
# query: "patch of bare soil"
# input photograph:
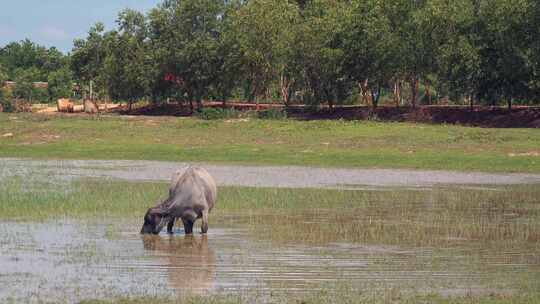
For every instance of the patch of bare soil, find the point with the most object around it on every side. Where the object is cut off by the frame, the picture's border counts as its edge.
(46, 109)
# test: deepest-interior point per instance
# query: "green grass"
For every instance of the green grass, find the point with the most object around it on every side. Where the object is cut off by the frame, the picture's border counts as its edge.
(272, 142)
(505, 217)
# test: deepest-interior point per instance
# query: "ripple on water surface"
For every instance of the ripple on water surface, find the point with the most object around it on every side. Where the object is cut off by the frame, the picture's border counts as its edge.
(71, 261)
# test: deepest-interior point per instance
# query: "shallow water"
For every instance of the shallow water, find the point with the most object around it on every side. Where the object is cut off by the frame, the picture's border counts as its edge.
(70, 261)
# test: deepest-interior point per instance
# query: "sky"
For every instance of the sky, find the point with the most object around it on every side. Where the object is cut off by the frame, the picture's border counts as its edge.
(58, 22)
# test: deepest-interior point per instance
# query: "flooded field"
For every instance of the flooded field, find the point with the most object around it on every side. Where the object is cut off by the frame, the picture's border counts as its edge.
(264, 242)
(72, 261)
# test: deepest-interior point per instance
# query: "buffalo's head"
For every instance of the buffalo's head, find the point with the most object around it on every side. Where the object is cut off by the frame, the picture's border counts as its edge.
(154, 220)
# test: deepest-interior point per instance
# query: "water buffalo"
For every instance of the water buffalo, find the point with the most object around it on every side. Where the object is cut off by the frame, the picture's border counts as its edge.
(192, 195)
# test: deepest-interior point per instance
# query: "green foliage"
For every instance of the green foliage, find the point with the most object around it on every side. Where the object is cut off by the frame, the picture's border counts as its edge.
(273, 114)
(186, 37)
(87, 59)
(25, 55)
(312, 52)
(127, 66)
(6, 100)
(265, 33)
(3, 75)
(60, 84)
(320, 53)
(217, 113)
(25, 87)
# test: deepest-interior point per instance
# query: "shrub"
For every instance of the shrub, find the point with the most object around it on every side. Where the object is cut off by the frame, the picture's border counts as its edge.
(273, 114)
(6, 101)
(217, 113)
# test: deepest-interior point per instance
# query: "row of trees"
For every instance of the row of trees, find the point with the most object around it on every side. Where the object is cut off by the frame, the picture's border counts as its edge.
(319, 51)
(26, 63)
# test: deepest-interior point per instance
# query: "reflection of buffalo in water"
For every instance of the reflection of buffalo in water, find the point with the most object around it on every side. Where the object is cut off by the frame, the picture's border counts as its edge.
(190, 262)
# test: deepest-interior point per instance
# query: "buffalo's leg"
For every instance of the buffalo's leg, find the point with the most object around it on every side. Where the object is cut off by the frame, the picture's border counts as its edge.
(188, 226)
(204, 226)
(170, 225)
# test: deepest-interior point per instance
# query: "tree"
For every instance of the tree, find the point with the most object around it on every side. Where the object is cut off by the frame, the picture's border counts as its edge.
(3, 75)
(370, 45)
(506, 69)
(24, 88)
(415, 49)
(228, 69)
(265, 36)
(458, 56)
(533, 41)
(127, 63)
(5, 102)
(186, 35)
(60, 84)
(26, 54)
(319, 55)
(87, 59)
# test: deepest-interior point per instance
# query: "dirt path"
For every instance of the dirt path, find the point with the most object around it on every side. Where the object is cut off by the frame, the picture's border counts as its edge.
(255, 176)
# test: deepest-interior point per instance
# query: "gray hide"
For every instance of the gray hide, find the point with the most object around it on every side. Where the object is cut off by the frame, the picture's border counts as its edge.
(192, 195)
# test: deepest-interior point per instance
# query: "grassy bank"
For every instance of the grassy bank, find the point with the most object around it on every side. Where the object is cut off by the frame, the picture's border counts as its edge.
(283, 142)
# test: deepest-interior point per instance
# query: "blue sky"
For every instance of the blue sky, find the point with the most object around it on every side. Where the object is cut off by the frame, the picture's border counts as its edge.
(58, 22)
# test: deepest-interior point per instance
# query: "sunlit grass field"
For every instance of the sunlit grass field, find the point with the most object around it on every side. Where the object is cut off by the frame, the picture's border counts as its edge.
(271, 142)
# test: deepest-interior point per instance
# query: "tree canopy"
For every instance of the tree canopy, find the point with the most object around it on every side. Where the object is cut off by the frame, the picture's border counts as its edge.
(311, 51)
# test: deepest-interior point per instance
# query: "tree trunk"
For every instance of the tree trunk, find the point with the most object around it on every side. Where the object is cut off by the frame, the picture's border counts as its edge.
(364, 91)
(397, 93)
(329, 98)
(91, 90)
(428, 93)
(400, 87)
(375, 99)
(510, 103)
(199, 101)
(415, 83)
(285, 85)
(361, 90)
(471, 102)
(256, 93)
